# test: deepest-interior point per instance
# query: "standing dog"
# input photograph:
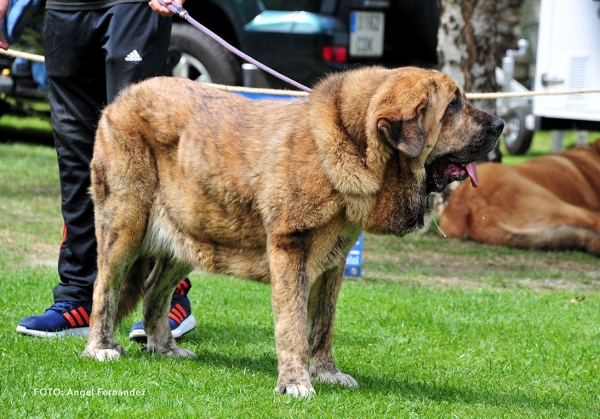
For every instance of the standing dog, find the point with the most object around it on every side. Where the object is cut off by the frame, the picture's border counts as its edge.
(275, 191)
(550, 202)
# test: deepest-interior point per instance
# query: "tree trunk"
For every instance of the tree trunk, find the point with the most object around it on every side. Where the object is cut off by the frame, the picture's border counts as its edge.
(467, 46)
(467, 53)
(508, 26)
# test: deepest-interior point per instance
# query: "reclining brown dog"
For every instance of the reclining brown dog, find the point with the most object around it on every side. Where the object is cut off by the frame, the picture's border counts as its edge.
(275, 191)
(549, 202)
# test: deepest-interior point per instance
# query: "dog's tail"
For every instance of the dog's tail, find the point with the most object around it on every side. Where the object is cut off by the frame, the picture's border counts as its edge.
(132, 287)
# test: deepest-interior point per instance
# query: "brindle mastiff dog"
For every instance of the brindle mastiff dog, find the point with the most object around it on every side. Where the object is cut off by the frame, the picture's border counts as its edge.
(275, 191)
(550, 202)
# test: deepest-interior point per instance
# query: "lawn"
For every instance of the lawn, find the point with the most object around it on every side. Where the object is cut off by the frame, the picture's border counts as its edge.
(435, 328)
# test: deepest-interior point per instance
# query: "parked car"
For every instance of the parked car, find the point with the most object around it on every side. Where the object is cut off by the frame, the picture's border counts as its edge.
(303, 39)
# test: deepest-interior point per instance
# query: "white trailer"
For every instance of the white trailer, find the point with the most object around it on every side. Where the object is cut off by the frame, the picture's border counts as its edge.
(568, 57)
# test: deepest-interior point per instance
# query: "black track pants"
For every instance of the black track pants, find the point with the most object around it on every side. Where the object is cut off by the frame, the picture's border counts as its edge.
(90, 57)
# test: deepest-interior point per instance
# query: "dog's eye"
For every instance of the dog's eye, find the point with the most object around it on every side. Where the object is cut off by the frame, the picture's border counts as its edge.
(455, 102)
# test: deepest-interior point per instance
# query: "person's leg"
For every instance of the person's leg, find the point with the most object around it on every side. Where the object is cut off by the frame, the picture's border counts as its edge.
(136, 43)
(76, 77)
(87, 67)
(77, 93)
(86, 70)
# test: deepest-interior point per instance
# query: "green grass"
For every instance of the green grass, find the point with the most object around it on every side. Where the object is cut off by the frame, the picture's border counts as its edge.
(436, 328)
(414, 351)
(30, 204)
(541, 145)
(21, 121)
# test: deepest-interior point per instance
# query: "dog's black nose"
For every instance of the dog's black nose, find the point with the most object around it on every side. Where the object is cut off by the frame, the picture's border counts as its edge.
(498, 126)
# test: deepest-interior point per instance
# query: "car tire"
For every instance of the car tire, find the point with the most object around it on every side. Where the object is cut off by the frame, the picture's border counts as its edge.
(517, 138)
(202, 58)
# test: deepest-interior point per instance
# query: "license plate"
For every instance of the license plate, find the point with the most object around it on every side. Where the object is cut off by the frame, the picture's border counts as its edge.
(366, 34)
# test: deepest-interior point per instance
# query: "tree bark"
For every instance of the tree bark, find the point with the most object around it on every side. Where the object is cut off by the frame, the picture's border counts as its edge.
(467, 46)
(508, 26)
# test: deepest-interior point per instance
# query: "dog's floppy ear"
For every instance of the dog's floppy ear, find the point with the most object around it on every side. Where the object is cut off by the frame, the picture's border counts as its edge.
(405, 130)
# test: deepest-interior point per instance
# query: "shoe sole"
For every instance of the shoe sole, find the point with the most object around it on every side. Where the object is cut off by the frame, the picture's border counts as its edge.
(79, 331)
(186, 326)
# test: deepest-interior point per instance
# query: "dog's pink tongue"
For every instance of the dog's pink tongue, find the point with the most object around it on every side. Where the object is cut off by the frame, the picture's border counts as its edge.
(472, 171)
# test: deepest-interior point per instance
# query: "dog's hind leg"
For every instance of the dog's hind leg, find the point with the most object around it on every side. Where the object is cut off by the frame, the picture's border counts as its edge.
(167, 274)
(120, 227)
(565, 237)
(321, 313)
(564, 227)
(106, 308)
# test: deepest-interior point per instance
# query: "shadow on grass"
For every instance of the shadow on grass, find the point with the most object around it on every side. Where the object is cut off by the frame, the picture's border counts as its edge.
(27, 135)
(413, 389)
(227, 337)
(404, 387)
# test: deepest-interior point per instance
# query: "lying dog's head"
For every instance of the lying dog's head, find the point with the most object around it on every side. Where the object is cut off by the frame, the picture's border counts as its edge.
(405, 133)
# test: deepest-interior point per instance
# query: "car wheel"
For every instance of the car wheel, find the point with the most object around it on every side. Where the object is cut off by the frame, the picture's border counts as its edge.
(517, 138)
(202, 58)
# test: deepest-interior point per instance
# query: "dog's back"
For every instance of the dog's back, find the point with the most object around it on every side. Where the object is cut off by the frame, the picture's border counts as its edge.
(164, 161)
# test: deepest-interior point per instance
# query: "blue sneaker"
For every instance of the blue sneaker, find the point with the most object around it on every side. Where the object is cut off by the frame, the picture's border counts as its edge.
(181, 319)
(65, 318)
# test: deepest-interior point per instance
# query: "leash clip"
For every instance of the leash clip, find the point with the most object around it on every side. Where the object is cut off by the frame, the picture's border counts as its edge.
(180, 11)
(175, 8)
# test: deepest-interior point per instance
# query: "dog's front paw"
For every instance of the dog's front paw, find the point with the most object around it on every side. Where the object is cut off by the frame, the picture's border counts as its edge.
(336, 378)
(171, 352)
(296, 390)
(295, 380)
(103, 354)
(180, 353)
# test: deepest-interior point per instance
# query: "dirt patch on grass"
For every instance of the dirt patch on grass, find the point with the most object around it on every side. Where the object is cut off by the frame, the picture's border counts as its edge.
(432, 261)
(43, 254)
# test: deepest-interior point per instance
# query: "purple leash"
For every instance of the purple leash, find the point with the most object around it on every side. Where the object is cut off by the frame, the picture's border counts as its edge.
(182, 13)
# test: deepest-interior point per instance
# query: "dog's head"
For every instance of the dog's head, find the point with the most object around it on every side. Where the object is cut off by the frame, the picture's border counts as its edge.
(436, 136)
(424, 116)
(388, 138)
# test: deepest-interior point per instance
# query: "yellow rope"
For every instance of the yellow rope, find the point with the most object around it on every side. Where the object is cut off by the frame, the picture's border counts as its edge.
(274, 92)
(21, 54)
(277, 92)
(470, 96)
(498, 95)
